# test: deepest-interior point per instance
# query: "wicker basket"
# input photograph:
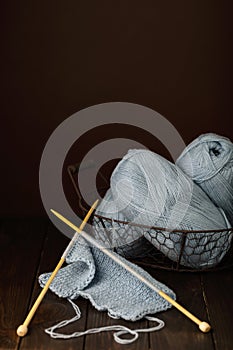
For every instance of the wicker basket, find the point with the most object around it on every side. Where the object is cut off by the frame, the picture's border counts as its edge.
(149, 255)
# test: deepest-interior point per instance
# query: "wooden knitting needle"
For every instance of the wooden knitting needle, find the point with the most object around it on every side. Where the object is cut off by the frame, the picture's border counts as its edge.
(23, 329)
(203, 326)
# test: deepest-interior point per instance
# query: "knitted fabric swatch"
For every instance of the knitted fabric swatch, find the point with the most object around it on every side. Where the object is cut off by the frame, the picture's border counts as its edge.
(208, 160)
(95, 276)
(149, 190)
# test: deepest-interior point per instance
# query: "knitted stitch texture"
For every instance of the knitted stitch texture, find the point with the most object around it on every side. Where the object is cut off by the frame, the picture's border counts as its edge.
(95, 276)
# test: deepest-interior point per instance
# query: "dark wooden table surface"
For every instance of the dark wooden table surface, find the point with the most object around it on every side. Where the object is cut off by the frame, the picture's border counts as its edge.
(30, 247)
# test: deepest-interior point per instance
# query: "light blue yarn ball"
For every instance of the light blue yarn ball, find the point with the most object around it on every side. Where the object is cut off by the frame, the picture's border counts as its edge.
(149, 190)
(208, 160)
(124, 238)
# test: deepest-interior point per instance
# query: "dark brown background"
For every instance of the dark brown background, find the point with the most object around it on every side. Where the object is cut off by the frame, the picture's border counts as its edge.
(59, 57)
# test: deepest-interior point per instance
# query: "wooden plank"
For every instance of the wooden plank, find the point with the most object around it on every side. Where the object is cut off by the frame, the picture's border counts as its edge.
(218, 289)
(20, 246)
(53, 309)
(179, 332)
(105, 340)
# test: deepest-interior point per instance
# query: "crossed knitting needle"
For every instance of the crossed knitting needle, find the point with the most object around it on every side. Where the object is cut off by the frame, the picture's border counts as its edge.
(203, 326)
(23, 328)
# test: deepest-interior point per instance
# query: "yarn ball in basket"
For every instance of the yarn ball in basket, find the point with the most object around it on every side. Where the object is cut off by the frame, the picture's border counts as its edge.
(149, 190)
(208, 160)
(124, 238)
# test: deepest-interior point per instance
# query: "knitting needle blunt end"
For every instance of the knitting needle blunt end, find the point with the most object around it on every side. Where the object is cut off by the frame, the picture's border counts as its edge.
(22, 330)
(204, 327)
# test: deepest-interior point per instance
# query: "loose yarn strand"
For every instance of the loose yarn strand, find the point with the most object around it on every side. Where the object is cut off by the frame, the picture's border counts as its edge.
(121, 330)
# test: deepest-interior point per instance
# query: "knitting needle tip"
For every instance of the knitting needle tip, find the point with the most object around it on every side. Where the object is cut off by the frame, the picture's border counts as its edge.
(94, 205)
(72, 225)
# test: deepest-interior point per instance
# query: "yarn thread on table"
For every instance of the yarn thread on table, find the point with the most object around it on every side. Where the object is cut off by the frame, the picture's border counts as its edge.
(95, 276)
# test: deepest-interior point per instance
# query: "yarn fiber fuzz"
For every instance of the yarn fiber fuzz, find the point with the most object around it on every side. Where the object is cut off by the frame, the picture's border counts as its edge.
(149, 190)
(208, 160)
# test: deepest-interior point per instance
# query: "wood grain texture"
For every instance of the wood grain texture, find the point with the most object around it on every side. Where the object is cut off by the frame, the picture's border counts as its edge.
(218, 292)
(20, 246)
(180, 332)
(29, 247)
(53, 309)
